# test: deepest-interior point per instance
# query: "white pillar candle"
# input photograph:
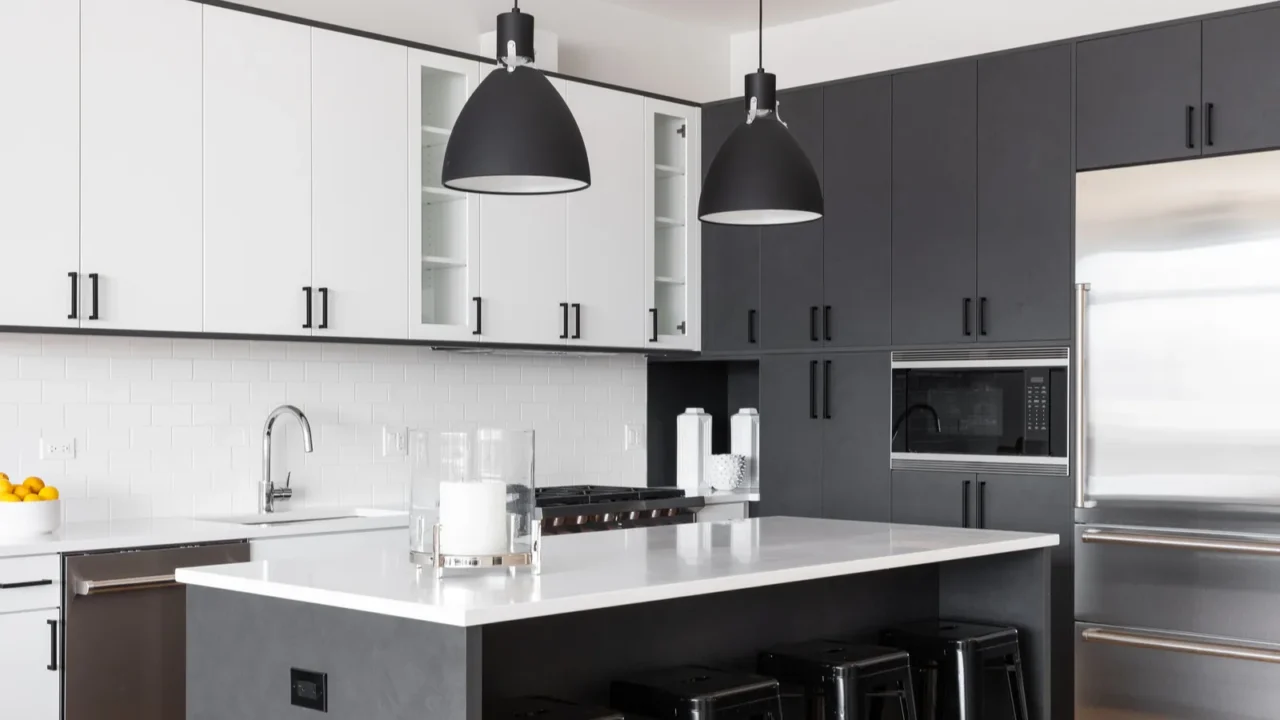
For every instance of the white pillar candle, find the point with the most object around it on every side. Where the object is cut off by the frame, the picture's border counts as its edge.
(473, 517)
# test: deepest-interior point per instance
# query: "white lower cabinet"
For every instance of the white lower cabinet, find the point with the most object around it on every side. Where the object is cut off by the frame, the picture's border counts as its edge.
(368, 543)
(31, 656)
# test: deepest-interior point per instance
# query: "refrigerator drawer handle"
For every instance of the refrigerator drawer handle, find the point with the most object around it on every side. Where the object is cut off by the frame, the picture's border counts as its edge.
(1154, 642)
(1183, 542)
(146, 582)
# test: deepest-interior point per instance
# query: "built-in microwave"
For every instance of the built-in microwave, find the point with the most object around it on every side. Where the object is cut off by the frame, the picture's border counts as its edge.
(983, 410)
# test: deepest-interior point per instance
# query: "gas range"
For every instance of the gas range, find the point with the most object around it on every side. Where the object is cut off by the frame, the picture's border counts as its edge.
(588, 508)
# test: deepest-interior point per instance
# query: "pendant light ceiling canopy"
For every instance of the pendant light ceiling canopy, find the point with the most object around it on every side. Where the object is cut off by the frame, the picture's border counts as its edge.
(516, 135)
(761, 175)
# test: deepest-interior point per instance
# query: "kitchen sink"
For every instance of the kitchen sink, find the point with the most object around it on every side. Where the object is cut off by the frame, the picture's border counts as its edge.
(300, 517)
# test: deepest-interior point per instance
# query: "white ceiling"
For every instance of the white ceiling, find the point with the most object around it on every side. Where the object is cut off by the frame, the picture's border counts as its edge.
(740, 15)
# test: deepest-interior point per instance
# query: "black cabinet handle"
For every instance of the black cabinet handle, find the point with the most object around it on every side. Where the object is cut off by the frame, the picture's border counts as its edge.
(653, 313)
(577, 321)
(93, 297)
(826, 389)
(813, 323)
(479, 315)
(751, 326)
(75, 295)
(1191, 127)
(307, 325)
(982, 316)
(1208, 124)
(982, 503)
(968, 304)
(826, 323)
(53, 645)
(813, 389)
(564, 321)
(964, 502)
(24, 583)
(324, 308)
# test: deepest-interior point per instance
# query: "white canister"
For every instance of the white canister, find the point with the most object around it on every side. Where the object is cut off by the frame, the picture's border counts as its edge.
(693, 446)
(744, 440)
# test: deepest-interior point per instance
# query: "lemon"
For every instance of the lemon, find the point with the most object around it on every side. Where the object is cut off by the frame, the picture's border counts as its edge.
(34, 484)
(31, 498)
(22, 491)
(48, 492)
(5, 485)
(9, 497)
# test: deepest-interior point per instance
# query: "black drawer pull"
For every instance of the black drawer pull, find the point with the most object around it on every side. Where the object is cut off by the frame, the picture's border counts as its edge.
(577, 321)
(968, 305)
(826, 323)
(813, 389)
(564, 321)
(813, 323)
(653, 313)
(53, 645)
(982, 316)
(24, 583)
(826, 389)
(964, 502)
(751, 326)
(982, 503)
(324, 308)
(93, 297)
(479, 316)
(1191, 127)
(75, 295)
(307, 290)
(1208, 124)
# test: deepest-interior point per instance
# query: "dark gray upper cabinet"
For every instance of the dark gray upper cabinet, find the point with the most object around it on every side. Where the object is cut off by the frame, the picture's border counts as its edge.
(1138, 97)
(858, 225)
(791, 255)
(1242, 82)
(790, 435)
(730, 257)
(935, 138)
(855, 458)
(1025, 210)
(932, 498)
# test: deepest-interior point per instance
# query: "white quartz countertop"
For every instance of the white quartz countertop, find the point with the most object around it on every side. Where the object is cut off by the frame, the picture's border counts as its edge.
(711, 496)
(621, 567)
(86, 537)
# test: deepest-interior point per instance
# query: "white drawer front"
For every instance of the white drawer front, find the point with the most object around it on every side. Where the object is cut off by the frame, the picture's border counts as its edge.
(31, 582)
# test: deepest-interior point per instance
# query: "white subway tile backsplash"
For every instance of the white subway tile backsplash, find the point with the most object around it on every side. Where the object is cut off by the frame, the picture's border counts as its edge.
(172, 427)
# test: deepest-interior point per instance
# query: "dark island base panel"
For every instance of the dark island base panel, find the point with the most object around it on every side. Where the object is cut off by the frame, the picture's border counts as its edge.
(242, 647)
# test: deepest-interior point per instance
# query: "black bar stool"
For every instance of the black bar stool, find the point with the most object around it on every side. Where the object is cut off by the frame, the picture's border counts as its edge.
(964, 670)
(844, 681)
(698, 693)
(545, 708)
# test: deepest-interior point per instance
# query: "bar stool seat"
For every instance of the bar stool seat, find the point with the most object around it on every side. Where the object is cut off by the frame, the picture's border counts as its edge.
(844, 681)
(544, 708)
(964, 669)
(692, 692)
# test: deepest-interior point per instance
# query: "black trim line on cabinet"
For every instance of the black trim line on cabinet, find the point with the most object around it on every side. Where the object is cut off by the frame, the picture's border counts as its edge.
(1191, 127)
(751, 326)
(24, 584)
(307, 325)
(982, 503)
(479, 316)
(577, 321)
(564, 321)
(324, 309)
(967, 309)
(813, 389)
(1208, 124)
(75, 295)
(653, 312)
(982, 316)
(53, 645)
(306, 22)
(964, 502)
(826, 389)
(93, 297)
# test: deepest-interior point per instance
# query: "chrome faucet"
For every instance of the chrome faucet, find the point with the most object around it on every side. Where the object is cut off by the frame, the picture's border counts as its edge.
(268, 493)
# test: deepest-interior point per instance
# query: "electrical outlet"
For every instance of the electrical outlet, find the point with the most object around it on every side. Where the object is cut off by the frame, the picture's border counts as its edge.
(58, 447)
(633, 437)
(395, 442)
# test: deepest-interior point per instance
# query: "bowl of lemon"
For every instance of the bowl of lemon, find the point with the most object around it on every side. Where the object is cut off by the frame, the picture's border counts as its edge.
(29, 508)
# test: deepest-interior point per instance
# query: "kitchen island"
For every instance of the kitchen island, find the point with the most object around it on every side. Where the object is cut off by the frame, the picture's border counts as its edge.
(397, 643)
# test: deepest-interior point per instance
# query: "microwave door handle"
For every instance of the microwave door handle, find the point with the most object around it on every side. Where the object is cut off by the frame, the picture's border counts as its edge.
(1080, 448)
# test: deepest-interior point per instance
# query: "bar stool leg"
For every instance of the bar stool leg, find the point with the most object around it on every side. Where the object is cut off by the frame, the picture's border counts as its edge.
(1018, 688)
(907, 697)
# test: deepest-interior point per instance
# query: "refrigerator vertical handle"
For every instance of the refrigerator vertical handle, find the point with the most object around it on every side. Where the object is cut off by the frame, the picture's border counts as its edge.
(1080, 449)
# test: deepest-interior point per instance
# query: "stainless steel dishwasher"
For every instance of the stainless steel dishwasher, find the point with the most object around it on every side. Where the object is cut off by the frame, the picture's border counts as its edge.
(125, 634)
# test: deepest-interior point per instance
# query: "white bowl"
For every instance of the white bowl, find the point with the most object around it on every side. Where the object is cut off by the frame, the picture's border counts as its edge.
(726, 472)
(30, 519)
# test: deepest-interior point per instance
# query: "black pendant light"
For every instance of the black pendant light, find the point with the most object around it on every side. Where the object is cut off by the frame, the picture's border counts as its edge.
(761, 176)
(516, 135)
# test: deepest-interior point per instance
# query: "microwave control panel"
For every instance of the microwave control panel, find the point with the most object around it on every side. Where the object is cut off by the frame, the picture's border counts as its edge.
(1037, 406)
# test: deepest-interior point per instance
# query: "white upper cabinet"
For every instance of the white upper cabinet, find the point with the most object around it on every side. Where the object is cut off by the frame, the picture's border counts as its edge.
(360, 210)
(673, 239)
(444, 225)
(257, 175)
(606, 238)
(522, 267)
(140, 165)
(40, 161)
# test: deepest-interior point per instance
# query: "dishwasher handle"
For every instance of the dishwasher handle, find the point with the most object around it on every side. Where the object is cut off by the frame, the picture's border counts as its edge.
(145, 582)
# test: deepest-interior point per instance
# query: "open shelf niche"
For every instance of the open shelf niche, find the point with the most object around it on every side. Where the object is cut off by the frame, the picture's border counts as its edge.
(721, 387)
(444, 212)
(670, 235)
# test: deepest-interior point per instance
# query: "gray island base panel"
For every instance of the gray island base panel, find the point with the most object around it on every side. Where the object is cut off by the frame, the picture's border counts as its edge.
(242, 644)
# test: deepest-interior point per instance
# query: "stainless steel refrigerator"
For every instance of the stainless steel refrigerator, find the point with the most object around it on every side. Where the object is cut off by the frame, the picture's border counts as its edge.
(1176, 398)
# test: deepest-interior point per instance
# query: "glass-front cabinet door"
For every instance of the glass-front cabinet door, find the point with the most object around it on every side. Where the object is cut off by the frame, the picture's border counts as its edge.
(673, 291)
(444, 227)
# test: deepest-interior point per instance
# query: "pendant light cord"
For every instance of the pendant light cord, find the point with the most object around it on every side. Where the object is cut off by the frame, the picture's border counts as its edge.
(760, 38)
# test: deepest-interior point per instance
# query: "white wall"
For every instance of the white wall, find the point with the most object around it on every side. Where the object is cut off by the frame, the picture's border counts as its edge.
(171, 428)
(598, 41)
(913, 32)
